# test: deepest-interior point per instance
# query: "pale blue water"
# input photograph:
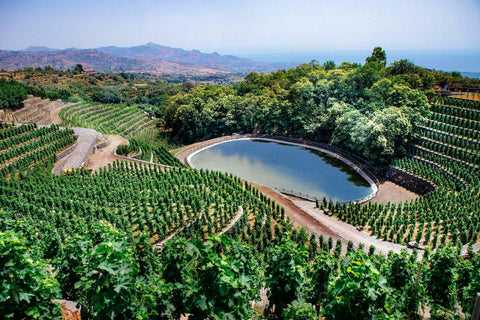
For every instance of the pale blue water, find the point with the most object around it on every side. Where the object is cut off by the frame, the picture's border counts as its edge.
(285, 168)
(446, 60)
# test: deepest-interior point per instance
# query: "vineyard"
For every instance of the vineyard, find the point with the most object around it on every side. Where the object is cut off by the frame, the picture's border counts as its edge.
(35, 110)
(96, 230)
(133, 241)
(129, 122)
(447, 154)
(25, 145)
(109, 119)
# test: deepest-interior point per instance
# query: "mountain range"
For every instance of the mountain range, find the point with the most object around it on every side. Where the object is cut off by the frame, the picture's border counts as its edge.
(152, 58)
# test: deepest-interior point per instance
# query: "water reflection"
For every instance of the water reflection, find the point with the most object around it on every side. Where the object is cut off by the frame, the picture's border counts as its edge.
(283, 166)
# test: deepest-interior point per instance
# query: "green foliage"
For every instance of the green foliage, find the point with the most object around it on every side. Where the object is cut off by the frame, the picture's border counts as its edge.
(78, 68)
(319, 271)
(355, 108)
(144, 151)
(25, 145)
(299, 310)
(107, 277)
(107, 96)
(378, 56)
(11, 94)
(286, 274)
(215, 280)
(359, 291)
(329, 65)
(441, 279)
(26, 287)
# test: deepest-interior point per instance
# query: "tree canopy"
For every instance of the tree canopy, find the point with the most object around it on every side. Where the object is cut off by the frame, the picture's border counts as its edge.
(361, 108)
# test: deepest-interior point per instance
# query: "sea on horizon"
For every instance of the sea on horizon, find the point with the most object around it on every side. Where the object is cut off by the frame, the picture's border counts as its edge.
(467, 61)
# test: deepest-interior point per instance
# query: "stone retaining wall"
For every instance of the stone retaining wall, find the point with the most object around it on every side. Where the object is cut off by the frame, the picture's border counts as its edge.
(409, 181)
(66, 152)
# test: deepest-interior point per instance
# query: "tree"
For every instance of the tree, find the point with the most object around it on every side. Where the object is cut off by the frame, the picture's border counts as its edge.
(11, 93)
(378, 56)
(78, 69)
(329, 65)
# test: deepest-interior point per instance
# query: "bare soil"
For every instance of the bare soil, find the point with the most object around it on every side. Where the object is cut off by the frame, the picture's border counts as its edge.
(102, 157)
(467, 95)
(54, 117)
(393, 193)
(298, 217)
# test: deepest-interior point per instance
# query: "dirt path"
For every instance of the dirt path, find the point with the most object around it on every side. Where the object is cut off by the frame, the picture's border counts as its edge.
(391, 192)
(298, 216)
(54, 117)
(347, 231)
(106, 155)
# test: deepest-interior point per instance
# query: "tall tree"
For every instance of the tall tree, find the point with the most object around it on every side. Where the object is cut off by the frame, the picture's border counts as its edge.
(378, 55)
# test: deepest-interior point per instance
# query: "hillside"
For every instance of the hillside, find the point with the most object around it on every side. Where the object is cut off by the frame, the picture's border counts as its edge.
(132, 229)
(151, 58)
(97, 60)
(194, 57)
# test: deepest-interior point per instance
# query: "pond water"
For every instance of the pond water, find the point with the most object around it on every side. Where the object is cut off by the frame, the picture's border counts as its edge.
(286, 168)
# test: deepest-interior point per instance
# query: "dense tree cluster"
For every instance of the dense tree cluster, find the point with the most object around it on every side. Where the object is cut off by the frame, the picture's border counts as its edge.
(11, 94)
(361, 108)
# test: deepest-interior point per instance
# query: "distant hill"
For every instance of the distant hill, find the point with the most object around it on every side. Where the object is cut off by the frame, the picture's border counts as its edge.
(472, 75)
(151, 58)
(39, 49)
(195, 57)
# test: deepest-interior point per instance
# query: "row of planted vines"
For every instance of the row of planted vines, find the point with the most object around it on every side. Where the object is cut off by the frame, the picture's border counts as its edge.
(109, 119)
(129, 122)
(95, 232)
(446, 154)
(22, 146)
(133, 198)
(146, 152)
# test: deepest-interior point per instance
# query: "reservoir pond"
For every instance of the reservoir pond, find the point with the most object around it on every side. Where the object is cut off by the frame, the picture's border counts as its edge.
(287, 168)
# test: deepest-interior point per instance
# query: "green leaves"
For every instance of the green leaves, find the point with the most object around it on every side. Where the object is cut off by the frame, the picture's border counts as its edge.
(359, 291)
(286, 274)
(26, 287)
(441, 278)
(216, 279)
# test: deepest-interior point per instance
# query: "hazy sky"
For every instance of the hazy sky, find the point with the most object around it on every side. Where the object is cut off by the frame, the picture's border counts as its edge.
(242, 26)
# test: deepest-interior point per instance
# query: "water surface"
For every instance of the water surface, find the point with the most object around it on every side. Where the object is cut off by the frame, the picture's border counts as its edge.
(287, 168)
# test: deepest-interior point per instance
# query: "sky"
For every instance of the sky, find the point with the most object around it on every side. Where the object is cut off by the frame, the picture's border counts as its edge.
(243, 27)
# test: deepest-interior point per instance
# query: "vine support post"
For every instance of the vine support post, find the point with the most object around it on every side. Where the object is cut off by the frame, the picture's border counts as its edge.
(476, 308)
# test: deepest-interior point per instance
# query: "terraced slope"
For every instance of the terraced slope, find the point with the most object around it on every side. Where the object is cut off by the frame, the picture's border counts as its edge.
(108, 119)
(35, 110)
(23, 146)
(447, 155)
(129, 122)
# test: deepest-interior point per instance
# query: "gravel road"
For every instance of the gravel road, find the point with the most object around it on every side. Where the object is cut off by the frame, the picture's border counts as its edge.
(86, 139)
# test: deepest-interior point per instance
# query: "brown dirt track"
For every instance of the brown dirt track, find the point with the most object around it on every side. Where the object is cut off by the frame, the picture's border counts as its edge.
(106, 155)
